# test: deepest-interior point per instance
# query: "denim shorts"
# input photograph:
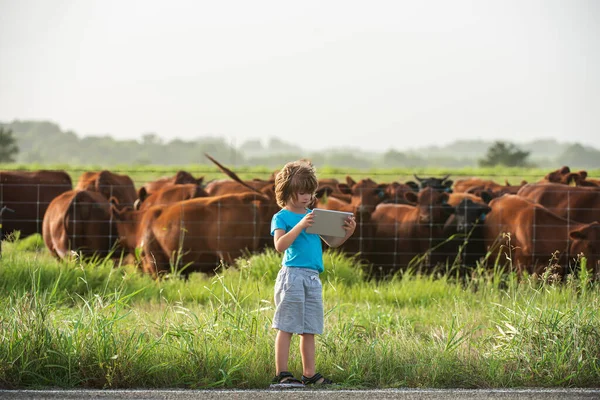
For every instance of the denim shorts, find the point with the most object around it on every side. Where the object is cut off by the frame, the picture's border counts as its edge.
(298, 301)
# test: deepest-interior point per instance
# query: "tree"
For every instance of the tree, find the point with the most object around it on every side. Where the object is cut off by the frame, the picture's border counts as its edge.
(506, 154)
(578, 156)
(8, 146)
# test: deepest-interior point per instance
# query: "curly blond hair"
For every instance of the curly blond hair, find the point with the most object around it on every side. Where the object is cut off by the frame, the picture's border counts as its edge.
(295, 177)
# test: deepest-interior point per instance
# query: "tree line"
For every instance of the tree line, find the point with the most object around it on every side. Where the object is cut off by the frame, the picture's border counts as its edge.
(44, 142)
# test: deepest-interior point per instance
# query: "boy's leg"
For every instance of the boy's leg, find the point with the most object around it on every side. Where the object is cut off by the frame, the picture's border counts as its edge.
(282, 351)
(307, 351)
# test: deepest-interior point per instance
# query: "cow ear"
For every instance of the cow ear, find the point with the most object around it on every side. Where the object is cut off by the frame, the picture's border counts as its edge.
(344, 188)
(323, 191)
(411, 197)
(142, 193)
(583, 174)
(350, 181)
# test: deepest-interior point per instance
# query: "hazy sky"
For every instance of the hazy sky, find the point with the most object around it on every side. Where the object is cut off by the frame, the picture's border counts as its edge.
(369, 74)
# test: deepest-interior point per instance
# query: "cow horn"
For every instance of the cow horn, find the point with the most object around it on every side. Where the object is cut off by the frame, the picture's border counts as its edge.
(230, 173)
(417, 178)
(136, 204)
(446, 177)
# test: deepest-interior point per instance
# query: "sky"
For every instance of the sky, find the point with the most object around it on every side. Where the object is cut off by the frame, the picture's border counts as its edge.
(373, 75)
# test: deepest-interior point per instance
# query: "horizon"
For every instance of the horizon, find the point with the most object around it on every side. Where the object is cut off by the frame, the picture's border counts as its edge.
(390, 75)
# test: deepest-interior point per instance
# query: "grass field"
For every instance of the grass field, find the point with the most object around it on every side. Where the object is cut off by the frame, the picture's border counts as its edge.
(91, 325)
(88, 324)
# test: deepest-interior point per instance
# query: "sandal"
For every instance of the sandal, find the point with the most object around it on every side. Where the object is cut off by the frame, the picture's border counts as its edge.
(285, 380)
(317, 380)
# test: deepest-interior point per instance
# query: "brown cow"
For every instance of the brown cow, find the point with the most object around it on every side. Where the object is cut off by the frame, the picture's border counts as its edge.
(403, 232)
(28, 195)
(168, 194)
(180, 178)
(537, 237)
(110, 185)
(577, 203)
(194, 235)
(79, 221)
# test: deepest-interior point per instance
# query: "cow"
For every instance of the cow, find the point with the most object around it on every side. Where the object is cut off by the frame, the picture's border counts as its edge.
(27, 194)
(168, 194)
(79, 221)
(196, 235)
(180, 178)
(534, 238)
(576, 203)
(403, 232)
(463, 245)
(110, 185)
(263, 187)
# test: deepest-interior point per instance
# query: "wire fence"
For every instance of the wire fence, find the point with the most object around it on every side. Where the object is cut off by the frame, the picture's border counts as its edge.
(390, 237)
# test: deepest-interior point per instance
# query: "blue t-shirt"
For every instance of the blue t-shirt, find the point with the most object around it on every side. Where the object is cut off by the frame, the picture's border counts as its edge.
(306, 251)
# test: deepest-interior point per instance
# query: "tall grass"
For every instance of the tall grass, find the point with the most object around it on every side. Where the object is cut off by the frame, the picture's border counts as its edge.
(88, 324)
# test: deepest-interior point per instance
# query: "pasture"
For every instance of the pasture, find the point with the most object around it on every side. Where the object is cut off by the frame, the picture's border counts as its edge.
(96, 324)
(90, 325)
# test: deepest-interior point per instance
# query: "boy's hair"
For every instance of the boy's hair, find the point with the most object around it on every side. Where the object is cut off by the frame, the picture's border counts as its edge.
(295, 177)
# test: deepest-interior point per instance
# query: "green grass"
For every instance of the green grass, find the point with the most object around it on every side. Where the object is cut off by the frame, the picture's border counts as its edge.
(143, 174)
(90, 325)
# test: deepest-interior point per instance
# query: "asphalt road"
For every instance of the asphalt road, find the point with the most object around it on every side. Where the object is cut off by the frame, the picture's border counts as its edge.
(405, 394)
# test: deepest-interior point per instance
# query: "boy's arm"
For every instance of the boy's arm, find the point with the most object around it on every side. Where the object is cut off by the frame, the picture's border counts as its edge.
(283, 240)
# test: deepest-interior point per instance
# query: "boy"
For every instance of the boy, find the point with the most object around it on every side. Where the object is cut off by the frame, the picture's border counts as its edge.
(298, 290)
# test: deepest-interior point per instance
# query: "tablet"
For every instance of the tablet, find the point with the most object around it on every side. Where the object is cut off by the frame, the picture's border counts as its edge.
(328, 222)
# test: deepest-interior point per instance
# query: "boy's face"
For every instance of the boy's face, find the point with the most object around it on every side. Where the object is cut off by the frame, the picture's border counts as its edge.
(301, 200)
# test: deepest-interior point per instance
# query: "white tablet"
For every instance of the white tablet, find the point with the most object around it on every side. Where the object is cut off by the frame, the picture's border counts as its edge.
(328, 222)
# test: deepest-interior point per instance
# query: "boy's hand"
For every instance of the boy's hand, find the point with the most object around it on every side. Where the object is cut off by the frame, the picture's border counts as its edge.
(307, 220)
(350, 225)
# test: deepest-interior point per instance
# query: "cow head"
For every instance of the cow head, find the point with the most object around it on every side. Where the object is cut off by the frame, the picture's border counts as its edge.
(586, 240)
(366, 194)
(127, 222)
(432, 204)
(394, 193)
(442, 184)
(468, 214)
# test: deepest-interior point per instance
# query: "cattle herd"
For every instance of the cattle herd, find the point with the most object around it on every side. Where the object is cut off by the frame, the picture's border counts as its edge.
(428, 224)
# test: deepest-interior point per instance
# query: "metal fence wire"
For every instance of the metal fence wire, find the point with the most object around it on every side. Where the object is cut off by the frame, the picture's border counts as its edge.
(534, 227)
